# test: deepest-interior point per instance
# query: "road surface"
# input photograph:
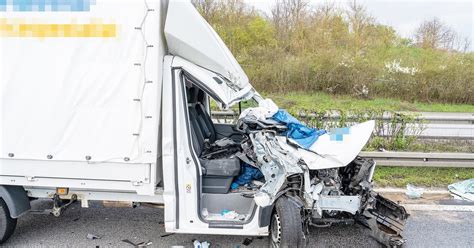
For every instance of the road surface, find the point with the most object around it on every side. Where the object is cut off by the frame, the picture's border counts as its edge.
(424, 229)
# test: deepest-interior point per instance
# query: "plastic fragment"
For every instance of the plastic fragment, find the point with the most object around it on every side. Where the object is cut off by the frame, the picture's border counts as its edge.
(229, 214)
(414, 192)
(92, 236)
(204, 212)
(463, 189)
(199, 244)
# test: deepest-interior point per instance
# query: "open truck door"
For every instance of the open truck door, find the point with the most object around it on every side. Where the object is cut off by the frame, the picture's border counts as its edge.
(190, 186)
(200, 61)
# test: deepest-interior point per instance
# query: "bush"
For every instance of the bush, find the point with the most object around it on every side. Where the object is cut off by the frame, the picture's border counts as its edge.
(340, 53)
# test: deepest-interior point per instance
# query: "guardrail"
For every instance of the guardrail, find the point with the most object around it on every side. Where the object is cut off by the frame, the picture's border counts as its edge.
(417, 159)
(432, 118)
(452, 126)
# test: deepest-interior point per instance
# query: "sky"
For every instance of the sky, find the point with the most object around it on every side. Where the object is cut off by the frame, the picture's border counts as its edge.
(406, 15)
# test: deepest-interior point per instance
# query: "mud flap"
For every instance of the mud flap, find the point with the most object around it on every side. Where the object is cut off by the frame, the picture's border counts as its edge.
(386, 220)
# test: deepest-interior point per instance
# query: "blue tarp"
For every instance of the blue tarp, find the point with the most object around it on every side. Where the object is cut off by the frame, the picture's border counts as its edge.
(302, 134)
(248, 173)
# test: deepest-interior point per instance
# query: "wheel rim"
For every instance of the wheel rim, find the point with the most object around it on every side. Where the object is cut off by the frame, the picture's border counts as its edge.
(275, 229)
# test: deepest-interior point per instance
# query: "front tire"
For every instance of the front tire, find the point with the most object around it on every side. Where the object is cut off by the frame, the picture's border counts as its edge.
(7, 223)
(286, 226)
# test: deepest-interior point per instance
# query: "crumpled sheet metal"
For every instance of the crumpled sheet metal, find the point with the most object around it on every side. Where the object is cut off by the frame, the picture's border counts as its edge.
(275, 163)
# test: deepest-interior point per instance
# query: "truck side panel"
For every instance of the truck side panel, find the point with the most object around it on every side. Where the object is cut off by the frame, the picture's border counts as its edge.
(81, 84)
(81, 95)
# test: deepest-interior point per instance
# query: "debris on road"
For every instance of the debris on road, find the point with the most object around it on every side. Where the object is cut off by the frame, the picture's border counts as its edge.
(199, 244)
(414, 192)
(92, 236)
(247, 241)
(463, 189)
(166, 235)
(138, 245)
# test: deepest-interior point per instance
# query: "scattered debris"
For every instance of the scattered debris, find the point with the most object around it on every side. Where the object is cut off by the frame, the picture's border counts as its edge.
(414, 192)
(199, 244)
(247, 241)
(92, 236)
(204, 212)
(258, 183)
(232, 215)
(138, 245)
(247, 174)
(463, 189)
(166, 235)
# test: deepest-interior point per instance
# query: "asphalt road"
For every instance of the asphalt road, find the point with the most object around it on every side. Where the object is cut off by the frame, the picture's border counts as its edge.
(424, 229)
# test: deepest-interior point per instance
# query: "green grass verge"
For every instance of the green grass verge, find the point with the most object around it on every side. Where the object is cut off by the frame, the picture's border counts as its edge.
(420, 176)
(295, 101)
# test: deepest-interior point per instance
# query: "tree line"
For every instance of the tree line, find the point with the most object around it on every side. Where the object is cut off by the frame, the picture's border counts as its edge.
(301, 47)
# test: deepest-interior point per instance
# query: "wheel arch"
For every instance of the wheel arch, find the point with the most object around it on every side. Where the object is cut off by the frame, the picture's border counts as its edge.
(16, 199)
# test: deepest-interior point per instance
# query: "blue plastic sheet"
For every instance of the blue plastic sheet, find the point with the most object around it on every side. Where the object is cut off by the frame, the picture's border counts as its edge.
(302, 134)
(248, 173)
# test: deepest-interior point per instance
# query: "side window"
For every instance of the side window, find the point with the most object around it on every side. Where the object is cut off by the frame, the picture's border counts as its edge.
(231, 115)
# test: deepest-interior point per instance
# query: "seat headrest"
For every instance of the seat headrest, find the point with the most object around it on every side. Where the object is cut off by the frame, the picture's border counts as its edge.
(192, 94)
(200, 96)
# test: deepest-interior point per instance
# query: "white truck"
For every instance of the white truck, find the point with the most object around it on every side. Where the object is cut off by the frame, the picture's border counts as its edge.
(110, 101)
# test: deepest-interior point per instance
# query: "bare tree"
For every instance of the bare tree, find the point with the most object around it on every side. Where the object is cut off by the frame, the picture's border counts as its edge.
(358, 17)
(325, 10)
(206, 7)
(360, 22)
(287, 15)
(435, 34)
(464, 44)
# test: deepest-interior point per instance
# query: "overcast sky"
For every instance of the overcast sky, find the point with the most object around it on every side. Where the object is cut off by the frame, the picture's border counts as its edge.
(406, 15)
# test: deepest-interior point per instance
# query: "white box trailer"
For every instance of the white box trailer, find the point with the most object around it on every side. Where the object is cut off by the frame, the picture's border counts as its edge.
(109, 100)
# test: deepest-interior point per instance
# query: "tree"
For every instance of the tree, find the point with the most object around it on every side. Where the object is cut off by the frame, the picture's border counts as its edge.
(434, 34)
(287, 15)
(361, 25)
(207, 8)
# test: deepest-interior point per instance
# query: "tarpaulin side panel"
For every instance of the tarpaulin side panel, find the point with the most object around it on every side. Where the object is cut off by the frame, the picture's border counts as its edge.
(81, 85)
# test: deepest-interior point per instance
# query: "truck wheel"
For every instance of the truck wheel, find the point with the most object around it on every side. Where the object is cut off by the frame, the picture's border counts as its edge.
(286, 226)
(7, 223)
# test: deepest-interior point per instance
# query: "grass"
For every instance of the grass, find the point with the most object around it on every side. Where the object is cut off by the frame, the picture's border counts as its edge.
(462, 146)
(465, 146)
(295, 101)
(420, 176)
